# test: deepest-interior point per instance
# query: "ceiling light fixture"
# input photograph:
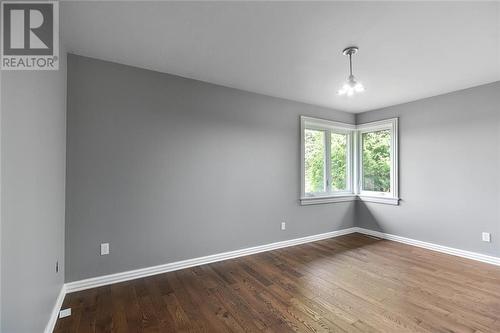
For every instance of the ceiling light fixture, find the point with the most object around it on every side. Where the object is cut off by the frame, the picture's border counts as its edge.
(351, 86)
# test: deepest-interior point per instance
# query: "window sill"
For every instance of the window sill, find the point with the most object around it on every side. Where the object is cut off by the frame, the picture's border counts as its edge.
(348, 197)
(382, 200)
(327, 199)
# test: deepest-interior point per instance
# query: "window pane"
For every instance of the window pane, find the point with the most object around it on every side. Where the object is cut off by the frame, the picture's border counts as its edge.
(314, 161)
(377, 161)
(339, 162)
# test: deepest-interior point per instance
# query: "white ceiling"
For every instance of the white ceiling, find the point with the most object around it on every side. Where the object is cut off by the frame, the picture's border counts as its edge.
(408, 50)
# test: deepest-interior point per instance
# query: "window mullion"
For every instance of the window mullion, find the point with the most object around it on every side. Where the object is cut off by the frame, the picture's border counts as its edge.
(352, 151)
(359, 162)
(328, 161)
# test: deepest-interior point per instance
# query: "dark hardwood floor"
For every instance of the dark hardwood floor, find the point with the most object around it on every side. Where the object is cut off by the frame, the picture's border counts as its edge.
(352, 283)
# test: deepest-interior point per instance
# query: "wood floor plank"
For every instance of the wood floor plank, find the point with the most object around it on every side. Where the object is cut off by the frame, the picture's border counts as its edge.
(350, 283)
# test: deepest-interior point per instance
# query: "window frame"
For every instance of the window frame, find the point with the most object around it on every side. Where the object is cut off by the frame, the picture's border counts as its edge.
(328, 127)
(354, 162)
(391, 197)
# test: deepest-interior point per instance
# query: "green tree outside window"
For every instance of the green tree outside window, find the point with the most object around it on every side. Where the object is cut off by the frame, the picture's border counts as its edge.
(376, 147)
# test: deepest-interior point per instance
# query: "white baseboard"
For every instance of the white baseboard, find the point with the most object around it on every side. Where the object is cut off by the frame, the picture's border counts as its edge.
(431, 246)
(55, 311)
(148, 271)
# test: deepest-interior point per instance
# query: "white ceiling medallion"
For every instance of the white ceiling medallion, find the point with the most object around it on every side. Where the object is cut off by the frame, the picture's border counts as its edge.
(351, 86)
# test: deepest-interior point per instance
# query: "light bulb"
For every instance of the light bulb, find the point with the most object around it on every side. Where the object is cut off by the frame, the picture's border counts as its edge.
(350, 87)
(345, 88)
(359, 87)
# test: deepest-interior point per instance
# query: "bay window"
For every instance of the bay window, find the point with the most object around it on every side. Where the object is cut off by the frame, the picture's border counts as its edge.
(343, 162)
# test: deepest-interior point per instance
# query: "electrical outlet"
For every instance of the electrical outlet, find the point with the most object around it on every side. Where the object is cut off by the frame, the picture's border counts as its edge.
(486, 237)
(104, 249)
(65, 313)
(283, 225)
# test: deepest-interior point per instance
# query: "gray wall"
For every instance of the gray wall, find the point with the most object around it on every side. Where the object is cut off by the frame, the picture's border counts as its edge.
(449, 159)
(165, 168)
(33, 139)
